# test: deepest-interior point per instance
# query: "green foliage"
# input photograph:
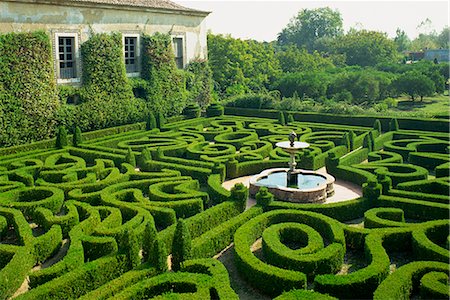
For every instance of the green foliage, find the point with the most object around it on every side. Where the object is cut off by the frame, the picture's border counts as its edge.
(305, 84)
(28, 96)
(61, 138)
(310, 26)
(259, 101)
(158, 255)
(160, 120)
(151, 121)
(107, 97)
(181, 249)
(414, 84)
(130, 158)
(366, 48)
(293, 59)
(290, 119)
(165, 91)
(214, 110)
(264, 197)
(393, 125)
(199, 83)
(192, 111)
(281, 119)
(241, 66)
(77, 137)
(239, 194)
(377, 126)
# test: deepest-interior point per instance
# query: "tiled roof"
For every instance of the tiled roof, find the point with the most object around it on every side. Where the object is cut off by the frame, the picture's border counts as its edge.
(156, 4)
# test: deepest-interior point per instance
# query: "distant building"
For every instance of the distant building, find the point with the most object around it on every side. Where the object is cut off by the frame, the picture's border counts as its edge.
(69, 23)
(441, 55)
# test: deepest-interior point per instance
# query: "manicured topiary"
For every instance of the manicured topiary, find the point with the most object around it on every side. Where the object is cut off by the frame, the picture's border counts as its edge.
(132, 248)
(130, 158)
(158, 255)
(160, 120)
(385, 181)
(77, 137)
(368, 141)
(214, 110)
(145, 155)
(192, 111)
(351, 138)
(151, 121)
(61, 138)
(239, 193)
(372, 190)
(393, 125)
(377, 126)
(346, 141)
(263, 197)
(290, 119)
(281, 119)
(182, 245)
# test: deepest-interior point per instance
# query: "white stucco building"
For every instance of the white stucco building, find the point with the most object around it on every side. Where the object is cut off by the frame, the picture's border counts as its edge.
(70, 22)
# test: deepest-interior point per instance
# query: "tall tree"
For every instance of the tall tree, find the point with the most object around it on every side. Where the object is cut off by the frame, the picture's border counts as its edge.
(293, 59)
(311, 25)
(240, 66)
(402, 40)
(366, 48)
(414, 84)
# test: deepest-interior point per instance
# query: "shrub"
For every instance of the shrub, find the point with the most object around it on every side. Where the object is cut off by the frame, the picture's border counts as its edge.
(77, 137)
(239, 194)
(192, 111)
(61, 138)
(259, 101)
(181, 249)
(151, 121)
(166, 88)
(200, 83)
(214, 110)
(263, 197)
(28, 96)
(281, 119)
(158, 255)
(393, 125)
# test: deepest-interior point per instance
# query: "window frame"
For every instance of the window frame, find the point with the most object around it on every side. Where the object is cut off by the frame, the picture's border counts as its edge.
(183, 49)
(76, 57)
(137, 52)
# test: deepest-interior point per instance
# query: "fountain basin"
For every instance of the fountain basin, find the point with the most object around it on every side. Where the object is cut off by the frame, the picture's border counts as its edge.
(311, 186)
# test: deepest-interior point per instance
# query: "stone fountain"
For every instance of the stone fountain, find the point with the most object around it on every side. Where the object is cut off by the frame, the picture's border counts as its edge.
(292, 184)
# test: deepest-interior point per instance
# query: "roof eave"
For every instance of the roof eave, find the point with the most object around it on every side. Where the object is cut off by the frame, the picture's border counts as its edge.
(188, 12)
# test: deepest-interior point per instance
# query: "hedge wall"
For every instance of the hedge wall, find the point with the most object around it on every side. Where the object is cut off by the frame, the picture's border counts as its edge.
(165, 87)
(28, 95)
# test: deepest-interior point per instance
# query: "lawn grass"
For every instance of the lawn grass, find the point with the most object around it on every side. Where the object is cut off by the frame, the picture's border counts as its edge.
(435, 106)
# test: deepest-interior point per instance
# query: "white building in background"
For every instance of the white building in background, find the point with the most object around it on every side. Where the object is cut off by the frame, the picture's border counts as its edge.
(70, 23)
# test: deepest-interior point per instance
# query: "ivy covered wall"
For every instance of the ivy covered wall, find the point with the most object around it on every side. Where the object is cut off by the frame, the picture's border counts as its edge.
(166, 86)
(106, 95)
(31, 106)
(28, 96)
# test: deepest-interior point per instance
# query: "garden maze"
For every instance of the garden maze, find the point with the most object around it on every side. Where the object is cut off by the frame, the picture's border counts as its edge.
(99, 219)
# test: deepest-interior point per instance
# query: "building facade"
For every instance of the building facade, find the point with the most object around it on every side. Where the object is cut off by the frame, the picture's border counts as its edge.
(69, 23)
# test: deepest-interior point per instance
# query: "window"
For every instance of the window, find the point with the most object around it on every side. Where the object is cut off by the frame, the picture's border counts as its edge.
(66, 55)
(178, 50)
(131, 46)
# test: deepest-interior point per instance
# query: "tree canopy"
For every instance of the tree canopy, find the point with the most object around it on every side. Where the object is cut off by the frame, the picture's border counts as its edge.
(309, 26)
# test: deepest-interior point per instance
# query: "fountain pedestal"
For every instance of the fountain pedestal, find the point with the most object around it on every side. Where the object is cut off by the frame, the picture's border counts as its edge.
(284, 183)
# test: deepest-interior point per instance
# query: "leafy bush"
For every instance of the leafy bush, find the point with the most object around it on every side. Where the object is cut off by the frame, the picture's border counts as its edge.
(28, 96)
(165, 91)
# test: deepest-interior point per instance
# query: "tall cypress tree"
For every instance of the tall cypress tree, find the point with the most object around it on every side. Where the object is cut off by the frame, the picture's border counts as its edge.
(181, 247)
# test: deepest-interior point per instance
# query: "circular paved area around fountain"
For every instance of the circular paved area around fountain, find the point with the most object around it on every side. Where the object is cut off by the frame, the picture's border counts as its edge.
(343, 190)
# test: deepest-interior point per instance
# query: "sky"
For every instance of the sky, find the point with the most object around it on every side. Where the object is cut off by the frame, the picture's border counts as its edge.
(263, 20)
